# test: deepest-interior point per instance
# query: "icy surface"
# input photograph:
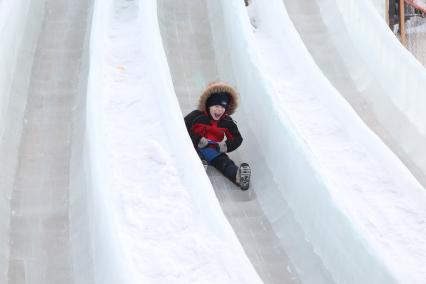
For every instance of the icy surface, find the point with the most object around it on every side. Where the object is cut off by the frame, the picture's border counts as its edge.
(187, 32)
(39, 231)
(381, 8)
(373, 181)
(20, 24)
(169, 225)
(360, 183)
(142, 209)
(381, 60)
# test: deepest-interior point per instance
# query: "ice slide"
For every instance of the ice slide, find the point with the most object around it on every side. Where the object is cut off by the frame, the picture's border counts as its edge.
(367, 175)
(50, 227)
(72, 210)
(107, 223)
(41, 49)
(191, 47)
(322, 157)
(379, 78)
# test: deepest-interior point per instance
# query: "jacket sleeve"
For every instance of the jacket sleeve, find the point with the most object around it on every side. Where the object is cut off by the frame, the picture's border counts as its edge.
(233, 136)
(189, 123)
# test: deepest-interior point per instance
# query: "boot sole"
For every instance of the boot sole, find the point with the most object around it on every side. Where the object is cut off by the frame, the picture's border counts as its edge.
(245, 173)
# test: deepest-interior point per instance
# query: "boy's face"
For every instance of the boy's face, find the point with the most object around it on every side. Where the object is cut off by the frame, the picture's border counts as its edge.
(216, 112)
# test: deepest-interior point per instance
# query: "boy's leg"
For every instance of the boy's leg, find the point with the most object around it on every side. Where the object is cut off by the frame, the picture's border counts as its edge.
(226, 166)
(203, 160)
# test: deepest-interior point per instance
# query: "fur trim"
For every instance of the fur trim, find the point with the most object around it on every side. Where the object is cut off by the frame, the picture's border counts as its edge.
(219, 87)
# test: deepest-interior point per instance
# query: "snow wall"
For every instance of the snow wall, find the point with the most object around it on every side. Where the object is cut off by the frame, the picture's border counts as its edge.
(401, 110)
(380, 7)
(346, 252)
(99, 254)
(20, 26)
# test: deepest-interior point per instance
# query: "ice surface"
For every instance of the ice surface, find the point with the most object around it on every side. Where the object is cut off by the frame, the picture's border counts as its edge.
(381, 7)
(356, 168)
(383, 62)
(333, 170)
(327, 198)
(20, 24)
(187, 36)
(154, 216)
(39, 230)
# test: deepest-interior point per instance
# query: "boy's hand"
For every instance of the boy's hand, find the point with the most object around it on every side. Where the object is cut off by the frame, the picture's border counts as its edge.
(221, 147)
(203, 143)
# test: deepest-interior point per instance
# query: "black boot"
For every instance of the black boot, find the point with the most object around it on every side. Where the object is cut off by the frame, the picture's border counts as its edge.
(243, 176)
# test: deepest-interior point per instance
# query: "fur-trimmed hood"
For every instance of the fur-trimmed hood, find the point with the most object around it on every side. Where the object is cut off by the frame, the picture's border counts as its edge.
(219, 87)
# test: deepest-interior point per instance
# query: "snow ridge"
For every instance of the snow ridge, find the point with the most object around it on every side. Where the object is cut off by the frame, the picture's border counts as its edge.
(169, 223)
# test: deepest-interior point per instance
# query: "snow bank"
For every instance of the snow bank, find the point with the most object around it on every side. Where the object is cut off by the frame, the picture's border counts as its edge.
(97, 252)
(141, 204)
(20, 25)
(356, 202)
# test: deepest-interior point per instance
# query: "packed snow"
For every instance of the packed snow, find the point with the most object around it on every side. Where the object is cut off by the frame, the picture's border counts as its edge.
(169, 233)
(367, 182)
(152, 215)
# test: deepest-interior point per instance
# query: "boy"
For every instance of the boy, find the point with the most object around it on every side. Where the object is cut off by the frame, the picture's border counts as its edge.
(210, 124)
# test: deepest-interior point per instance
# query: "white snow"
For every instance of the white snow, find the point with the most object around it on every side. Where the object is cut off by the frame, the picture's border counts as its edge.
(147, 211)
(381, 7)
(352, 196)
(380, 198)
(169, 225)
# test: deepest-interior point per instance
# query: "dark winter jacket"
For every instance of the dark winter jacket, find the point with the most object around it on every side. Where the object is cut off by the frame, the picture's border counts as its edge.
(200, 124)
